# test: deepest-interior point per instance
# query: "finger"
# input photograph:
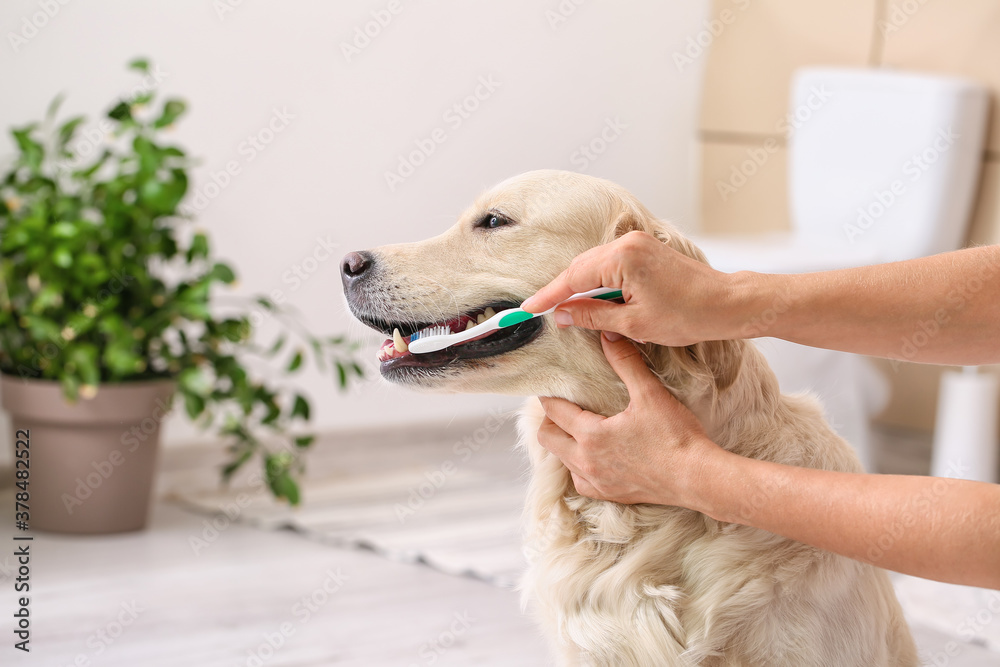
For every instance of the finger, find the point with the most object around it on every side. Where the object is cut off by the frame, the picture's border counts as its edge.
(568, 416)
(627, 361)
(584, 487)
(554, 439)
(594, 314)
(585, 273)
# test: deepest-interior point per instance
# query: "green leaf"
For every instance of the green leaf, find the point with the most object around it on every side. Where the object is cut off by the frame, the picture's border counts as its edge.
(341, 375)
(198, 248)
(54, 105)
(195, 311)
(194, 405)
(31, 151)
(296, 362)
(120, 358)
(195, 381)
(223, 273)
(84, 359)
(70, 387)
(277, 345)
(300, 408)
(236, 464)
(63, 230)
(62, 257)
(68, 129)
(140, 64)
(279, 479)
(172, 110)
(304, 440)
(50, 296)
(120, 112)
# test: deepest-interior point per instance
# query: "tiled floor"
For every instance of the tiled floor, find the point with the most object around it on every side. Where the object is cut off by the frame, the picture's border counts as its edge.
(244, 596)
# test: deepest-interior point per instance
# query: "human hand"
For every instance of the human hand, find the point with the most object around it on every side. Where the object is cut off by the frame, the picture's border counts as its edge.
(651, 452)
(670, 298)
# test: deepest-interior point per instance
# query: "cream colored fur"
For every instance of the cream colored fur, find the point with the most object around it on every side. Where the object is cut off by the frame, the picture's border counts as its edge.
(643, 585)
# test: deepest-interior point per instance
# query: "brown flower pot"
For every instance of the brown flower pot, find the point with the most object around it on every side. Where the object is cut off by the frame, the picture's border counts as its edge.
(91, 463)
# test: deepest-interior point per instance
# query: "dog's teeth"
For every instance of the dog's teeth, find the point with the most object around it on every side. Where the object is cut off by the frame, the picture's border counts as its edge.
(489, 312)
(389, 350)
(469, 325)
(480, 318)
(398, 341)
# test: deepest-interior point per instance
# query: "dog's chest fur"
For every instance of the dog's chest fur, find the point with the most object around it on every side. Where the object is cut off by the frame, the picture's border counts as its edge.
(651, 585)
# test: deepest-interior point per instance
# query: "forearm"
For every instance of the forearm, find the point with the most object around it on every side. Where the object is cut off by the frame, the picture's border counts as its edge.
(942, 529)
(941, 309)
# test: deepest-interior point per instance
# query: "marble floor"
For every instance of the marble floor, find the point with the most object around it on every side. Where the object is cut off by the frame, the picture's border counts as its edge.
(185, 593)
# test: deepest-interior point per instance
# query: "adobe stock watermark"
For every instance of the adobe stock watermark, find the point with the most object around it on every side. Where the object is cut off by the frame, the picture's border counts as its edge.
(295, 276)
(587, 153)
(956, 300)
(104, 637)
(430, 652)
(213, 528)
(31, 25)
(55, 344)
(463, 450)
(370, 30)
(699, 43)
(899, 15)
(969, 630)
(562, 12)
(912, 170)
(759, 326)
(918, 506)
(757, 157)
(223, 7)
(301, 612)
(103, 469)
(88, 140)
(255, 144)
(299, 272)
(453, 117)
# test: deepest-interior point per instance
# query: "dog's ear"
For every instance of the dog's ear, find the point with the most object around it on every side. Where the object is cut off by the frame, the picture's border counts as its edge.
(633, 219)
(716, 363)
(638, 219)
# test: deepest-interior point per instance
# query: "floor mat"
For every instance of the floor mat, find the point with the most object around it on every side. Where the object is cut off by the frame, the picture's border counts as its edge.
(453, 503)
(452, 499)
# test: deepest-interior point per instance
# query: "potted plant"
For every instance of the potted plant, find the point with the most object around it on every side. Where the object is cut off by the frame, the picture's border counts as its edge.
(109, 308)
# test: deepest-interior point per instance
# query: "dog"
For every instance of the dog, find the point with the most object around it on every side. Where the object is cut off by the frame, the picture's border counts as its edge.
(612, 584)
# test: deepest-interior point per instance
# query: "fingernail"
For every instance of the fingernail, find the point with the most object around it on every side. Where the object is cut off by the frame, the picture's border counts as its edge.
(526, 304)
(563, 318)
(612, 336)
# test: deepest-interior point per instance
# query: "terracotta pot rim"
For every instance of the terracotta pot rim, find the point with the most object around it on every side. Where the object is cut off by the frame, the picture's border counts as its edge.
(9, 378)
(118, 403)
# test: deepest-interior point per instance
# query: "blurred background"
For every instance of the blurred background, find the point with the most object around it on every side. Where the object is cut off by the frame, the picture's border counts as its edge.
(321, 106)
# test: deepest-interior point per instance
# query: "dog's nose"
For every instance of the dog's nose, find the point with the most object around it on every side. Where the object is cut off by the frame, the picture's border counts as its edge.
(355, 265)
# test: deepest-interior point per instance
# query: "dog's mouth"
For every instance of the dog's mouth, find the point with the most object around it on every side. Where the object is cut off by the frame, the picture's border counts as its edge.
(394, 353)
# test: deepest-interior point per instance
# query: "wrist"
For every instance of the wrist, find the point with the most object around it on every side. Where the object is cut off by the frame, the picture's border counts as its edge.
(759, 302)
(719, 486)
(709, 471)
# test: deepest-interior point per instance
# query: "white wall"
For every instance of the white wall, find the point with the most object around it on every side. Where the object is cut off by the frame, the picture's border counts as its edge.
(324, 173)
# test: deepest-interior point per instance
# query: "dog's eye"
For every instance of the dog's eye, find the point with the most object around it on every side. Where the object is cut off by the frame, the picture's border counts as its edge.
(492, 221)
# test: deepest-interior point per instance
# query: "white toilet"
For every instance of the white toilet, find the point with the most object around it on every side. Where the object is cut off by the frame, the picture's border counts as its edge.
(882, 167)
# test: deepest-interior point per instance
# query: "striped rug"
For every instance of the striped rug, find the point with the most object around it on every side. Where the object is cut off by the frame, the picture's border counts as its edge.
(448, 498)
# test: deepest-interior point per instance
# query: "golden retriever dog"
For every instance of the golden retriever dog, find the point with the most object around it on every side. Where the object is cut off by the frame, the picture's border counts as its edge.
(612, 584)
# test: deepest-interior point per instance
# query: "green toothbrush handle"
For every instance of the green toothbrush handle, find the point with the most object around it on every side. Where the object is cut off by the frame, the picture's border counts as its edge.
(516, 316)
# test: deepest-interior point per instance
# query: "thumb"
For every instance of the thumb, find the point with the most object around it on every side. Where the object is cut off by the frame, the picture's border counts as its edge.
(594, 314)
(627, 361)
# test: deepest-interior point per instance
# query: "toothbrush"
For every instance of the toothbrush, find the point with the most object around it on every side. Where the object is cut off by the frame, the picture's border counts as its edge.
(439, 337)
